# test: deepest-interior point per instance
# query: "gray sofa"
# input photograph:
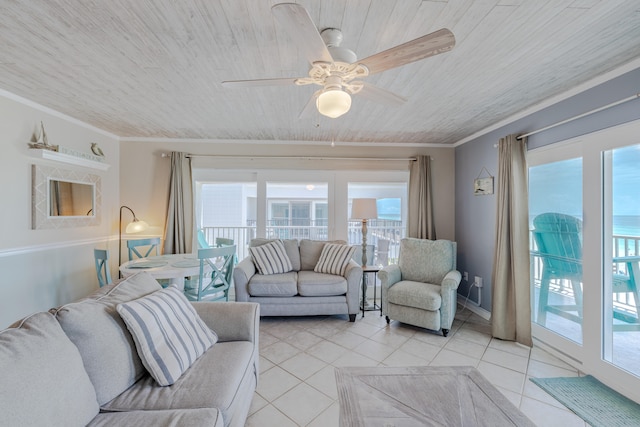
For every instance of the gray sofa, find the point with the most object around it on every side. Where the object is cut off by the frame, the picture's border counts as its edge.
(78, 365)
(300, 292)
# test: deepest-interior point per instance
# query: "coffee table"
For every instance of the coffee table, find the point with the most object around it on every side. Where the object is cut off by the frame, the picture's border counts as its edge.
(422, 396)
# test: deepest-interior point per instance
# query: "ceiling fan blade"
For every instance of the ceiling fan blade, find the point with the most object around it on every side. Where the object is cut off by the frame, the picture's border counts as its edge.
(296, 21)
(260, 82)
(310, 106)
(383, 96)
(423, 47)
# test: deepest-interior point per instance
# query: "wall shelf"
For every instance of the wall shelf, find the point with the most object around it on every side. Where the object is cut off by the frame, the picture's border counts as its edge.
(68, 158)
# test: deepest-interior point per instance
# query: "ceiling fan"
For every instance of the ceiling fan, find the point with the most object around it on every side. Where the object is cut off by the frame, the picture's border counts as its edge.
(337, 70)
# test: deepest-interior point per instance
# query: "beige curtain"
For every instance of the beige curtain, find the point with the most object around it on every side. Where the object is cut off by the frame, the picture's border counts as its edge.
(510, 298)
(178, 233)
(421, 223)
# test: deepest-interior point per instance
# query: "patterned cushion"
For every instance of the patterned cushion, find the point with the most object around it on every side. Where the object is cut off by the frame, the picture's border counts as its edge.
(290, 247)
(334, 259)
(168, 333)
(271, 258)
(310, 251)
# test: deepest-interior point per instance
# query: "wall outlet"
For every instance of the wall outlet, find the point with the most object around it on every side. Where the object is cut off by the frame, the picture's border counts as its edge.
(465, 276)
(478, 281)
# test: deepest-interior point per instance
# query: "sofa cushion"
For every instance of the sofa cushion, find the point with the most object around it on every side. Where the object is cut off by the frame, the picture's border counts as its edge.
(218, 379)
(204, 417)
(106, 346)
(334, 259)
(312, 284)
(290, 246)
(168, 333)
(43, 379)
(310, 251)
(420, 295)
(280, 285)
(271, 258)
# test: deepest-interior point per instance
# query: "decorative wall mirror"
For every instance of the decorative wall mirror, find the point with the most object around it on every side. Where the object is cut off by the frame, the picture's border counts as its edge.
(64, 198)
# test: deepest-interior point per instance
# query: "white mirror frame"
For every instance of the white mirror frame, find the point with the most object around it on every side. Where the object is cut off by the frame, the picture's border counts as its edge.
(40, 218)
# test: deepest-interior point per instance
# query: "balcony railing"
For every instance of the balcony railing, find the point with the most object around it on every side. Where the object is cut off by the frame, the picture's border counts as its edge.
(381, 233)
(623, 246)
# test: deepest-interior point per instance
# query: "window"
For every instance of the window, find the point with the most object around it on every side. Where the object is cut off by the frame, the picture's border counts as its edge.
(291, 209)
(299, 205)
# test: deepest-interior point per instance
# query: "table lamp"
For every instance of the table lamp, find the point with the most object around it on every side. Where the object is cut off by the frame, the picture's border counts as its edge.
(364, 210)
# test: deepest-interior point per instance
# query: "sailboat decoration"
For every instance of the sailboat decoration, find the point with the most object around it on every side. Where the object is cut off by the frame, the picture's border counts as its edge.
(42, 141)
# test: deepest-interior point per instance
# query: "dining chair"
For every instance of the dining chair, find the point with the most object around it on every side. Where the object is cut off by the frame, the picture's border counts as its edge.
(223, 241)
(146, 246)
(213, 285)
(202, 240)
(102, 266)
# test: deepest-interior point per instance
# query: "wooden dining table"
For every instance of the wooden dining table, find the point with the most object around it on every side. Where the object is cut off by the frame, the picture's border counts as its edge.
(173, 267)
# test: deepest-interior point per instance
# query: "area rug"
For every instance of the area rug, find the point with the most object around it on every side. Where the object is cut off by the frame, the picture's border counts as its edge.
(594, 402)
(422, 396)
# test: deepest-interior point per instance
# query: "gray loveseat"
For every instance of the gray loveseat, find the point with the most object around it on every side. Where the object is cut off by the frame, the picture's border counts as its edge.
(78, 365)
(301, 291)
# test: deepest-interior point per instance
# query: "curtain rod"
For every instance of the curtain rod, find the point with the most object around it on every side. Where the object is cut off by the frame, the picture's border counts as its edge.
(408, 159)
(579, 116)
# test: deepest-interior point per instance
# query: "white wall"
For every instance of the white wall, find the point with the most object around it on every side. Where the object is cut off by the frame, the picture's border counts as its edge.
(40, 269)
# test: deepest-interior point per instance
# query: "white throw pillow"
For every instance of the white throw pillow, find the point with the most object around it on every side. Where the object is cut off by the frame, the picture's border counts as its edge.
(334, 259)
(271, 258)
(168, 333)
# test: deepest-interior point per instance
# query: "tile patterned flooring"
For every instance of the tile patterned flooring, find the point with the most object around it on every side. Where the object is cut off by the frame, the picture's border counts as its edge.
(298, 355)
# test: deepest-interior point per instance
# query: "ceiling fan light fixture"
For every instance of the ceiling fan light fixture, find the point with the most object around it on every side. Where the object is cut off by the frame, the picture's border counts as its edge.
(333, 103)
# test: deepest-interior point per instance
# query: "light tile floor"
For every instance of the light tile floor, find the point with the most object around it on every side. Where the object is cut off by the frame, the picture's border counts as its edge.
(298, 355)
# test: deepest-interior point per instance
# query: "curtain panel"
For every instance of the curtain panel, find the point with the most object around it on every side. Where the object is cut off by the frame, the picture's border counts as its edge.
(420, 218)
(510, 297)
(178, 233)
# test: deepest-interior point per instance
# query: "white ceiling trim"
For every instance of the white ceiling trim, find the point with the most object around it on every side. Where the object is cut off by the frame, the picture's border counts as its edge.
(629, 66)
(288, 142)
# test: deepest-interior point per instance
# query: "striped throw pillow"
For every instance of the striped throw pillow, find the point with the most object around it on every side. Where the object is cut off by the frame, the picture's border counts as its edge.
(334, 259)
(168, 333)
(271, 258)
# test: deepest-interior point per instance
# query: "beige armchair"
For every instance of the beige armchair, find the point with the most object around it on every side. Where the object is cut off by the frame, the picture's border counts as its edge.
(421, 289)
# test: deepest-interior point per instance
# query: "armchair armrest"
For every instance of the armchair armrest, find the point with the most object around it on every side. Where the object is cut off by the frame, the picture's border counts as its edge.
(448, 291)
(231, 321)
(389, 276)
(451, 280)
(242, 273)
(353, 274)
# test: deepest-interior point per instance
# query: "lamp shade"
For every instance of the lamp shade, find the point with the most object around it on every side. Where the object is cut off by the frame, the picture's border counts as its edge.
(364, 209)
(333, 103)
(136, 226)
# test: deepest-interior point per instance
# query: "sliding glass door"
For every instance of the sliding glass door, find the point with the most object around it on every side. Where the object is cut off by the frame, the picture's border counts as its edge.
(622, 231)
(555, 221)
(584, 198)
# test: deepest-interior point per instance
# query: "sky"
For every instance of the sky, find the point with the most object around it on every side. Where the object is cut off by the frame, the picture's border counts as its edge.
(557, 187)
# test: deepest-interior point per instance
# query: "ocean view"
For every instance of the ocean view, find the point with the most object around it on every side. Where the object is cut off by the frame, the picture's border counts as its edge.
(626, 225)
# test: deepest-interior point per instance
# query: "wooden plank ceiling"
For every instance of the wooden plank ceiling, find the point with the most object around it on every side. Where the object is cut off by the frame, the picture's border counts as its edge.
(153, 69)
